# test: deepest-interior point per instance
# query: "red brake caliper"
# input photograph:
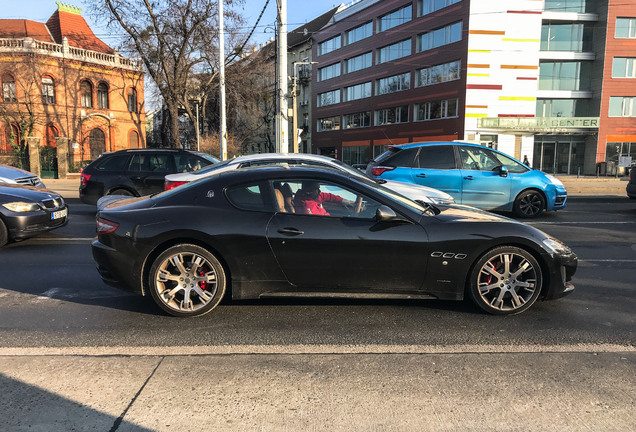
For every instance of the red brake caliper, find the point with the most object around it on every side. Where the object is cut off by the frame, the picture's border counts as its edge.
(203, 284)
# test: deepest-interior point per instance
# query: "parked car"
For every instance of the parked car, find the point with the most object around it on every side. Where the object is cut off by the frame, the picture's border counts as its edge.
(474, 175)
(414, 192)
(136, 172)
(631, 185)
(13, 175)
(235, 233)
(26, 211)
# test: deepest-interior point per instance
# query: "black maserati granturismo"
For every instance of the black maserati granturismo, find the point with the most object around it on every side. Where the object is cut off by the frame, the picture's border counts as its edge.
(300, 231)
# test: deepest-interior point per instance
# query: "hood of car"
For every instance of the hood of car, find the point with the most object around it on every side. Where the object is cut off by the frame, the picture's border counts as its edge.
(12, 173)
(11, 192)
(459, 213)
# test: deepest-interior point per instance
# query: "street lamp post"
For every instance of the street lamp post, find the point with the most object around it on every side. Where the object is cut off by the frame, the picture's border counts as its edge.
(294, 102)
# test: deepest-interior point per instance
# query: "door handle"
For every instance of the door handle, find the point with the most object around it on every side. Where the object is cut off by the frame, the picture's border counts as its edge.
(290, 231)
(469, 178)
(421, 175)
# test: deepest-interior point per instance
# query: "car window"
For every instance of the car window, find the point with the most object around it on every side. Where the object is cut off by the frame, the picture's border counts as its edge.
(436, 157)
(320, 198)
(186, 162)
(474, 158)
(512, 165)
(157, 163)
(403, 158)
(113, 163)
(252, 196)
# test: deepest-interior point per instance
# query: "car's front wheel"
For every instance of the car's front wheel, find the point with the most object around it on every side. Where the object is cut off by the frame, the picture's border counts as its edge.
(4, 234)
(529, 204)
(187, 280)
(505, 280)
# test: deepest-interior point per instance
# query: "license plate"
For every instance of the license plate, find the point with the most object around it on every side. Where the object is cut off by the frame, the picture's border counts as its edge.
(59, 214)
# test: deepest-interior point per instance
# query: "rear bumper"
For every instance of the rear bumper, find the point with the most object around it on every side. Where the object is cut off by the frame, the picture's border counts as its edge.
(115, 269)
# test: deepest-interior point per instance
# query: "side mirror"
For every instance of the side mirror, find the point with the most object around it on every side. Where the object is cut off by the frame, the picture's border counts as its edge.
(502, 170)
(384, 214)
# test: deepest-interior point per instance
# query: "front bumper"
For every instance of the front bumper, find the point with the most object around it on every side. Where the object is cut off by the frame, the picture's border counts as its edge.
(561, 271)
(23, 226)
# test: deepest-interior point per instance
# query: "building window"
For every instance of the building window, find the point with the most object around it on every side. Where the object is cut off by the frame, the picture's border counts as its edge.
(8, 89)
(356, 154)
(329, 72)
(86, 94)
(328, 98)
(329, 123)
(565, 5)
(566, 37)
(329, 45)
(358, 91)
(625, 28)
(395, 18)
(357, 63)
(9, 139)
(393, 84)
(624, 67)
(437, 74)
(427, 6)
(132, 100)
(133, 139)
(565, 75)
(614, 150)
(436, 110)
(102, 96)
(562, 108)
(359, 33)
(357, 120)
(621, 106)
(48, 90)
(440, 37)
(395, 51)
(393, 115)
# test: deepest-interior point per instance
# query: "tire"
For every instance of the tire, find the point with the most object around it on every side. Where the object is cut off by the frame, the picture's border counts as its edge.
(187, 280)
(124, 192)
(506, 280)
(4, 234)
(529, 204)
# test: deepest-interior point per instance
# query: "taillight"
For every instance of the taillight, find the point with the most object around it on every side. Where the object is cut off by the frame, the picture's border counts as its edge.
(167, 185)
(84, 178)
(105, 226)
(379, 170)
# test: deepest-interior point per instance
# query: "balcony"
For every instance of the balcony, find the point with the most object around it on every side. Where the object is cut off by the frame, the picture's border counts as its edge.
(65, 51)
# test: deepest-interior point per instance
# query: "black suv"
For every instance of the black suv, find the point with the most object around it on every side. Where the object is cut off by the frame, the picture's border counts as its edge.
(631, 186)
(136, 172)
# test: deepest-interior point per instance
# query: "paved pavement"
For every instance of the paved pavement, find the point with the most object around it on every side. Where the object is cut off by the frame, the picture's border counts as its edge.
(577, 187)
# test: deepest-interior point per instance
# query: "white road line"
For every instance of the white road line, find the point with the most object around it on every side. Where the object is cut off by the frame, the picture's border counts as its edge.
(580, 223)
(63, 239)
(310, 349)
(607, 260)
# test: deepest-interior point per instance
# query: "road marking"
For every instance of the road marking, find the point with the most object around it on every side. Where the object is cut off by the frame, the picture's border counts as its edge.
(64, 239)
(608, 260)
(310, 350)
(580, 223)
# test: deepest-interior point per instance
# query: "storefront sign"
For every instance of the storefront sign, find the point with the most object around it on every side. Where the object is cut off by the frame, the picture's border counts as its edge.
(539, 124)
(625, 161)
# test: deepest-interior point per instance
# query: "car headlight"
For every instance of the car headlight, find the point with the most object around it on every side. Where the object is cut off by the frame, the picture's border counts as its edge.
(554, 180)
(20, 206)
(555, 246)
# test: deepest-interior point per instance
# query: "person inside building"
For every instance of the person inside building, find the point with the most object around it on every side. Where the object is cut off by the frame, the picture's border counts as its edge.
(309, 199)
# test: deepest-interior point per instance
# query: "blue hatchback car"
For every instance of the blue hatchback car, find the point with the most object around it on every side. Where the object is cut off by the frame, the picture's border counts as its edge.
(474, 175)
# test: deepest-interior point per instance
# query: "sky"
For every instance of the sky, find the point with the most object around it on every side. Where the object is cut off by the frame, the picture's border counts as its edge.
(298, 13)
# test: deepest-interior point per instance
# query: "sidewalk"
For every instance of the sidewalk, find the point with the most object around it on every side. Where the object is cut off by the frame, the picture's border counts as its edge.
(583, 187)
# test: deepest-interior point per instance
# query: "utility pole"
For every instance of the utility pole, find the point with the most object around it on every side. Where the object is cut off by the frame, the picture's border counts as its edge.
(223, 131)
(282, 145)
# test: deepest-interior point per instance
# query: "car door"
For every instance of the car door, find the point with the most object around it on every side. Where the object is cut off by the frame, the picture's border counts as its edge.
(346, 250)
(482, 183)
(147, 171)
(435, 167)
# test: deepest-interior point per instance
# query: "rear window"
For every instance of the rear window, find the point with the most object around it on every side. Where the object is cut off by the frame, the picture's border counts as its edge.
(254, 196)
(113, 163)
(398, 157)
(437, 157)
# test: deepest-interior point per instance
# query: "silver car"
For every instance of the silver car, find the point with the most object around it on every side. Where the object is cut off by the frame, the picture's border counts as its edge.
(13, 175)
(409, 190)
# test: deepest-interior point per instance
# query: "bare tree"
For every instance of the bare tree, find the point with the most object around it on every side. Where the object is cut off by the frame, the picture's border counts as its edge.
(175, 39)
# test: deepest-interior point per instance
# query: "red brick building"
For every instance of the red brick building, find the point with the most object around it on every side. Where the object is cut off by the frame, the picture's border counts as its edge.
(60, 80)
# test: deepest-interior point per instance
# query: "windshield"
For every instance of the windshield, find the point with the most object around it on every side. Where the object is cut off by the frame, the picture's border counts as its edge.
(209, 168)
(416, 206)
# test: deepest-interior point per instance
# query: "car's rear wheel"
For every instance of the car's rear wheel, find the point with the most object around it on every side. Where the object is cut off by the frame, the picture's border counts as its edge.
(124, 192)
(4, 234)
(506, 280)
(529, 204)
(187, 280)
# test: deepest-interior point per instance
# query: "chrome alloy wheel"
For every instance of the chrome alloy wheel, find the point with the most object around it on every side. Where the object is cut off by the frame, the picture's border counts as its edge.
(506, 281)
(187, 280)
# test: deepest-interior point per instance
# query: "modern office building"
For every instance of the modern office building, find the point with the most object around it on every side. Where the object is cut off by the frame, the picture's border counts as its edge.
(551, 80)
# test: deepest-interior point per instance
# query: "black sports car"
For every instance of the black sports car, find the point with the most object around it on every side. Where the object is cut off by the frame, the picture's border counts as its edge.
(26, 211)
(251, 233)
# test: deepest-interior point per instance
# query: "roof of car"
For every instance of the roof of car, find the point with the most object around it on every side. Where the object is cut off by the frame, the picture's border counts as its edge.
(261, 156)
(147, 150)
(431, 143)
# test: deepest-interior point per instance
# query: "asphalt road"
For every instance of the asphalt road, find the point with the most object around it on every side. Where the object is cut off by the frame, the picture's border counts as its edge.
(101, 359)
